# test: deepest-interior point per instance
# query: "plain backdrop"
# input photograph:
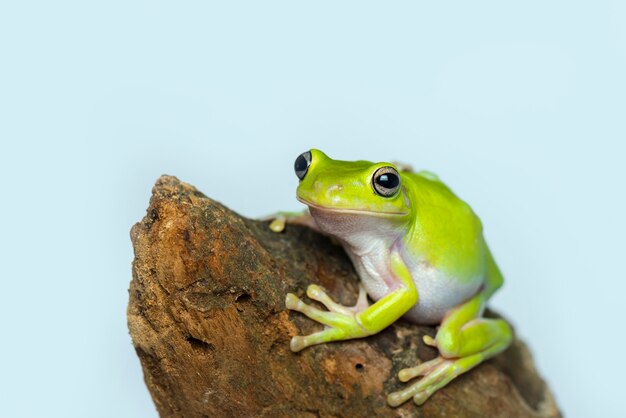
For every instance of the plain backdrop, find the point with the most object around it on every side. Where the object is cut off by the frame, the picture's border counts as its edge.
(519, 107)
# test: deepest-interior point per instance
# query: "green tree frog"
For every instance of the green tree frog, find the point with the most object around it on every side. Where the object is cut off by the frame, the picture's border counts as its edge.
(420, 254)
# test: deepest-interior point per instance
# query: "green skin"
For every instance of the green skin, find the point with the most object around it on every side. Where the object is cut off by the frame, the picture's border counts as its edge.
(414, 241)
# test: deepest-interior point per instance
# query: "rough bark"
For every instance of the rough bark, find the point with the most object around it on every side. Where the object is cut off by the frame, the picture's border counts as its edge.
(208, 321)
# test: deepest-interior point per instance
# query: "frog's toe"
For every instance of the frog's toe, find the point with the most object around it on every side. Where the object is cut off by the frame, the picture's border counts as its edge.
(297, 343)
(431, 384)
(396, 399)
(278, 224)
(318, 294)
(437, 373)
(419, 391)
(327, 335)
(428, 340)
(315, 292)
(293, 302)
(336, 319)
(421, 397)
(420, 370)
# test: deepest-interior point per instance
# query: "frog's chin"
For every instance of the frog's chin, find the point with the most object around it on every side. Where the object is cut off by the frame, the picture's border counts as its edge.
(366, 212)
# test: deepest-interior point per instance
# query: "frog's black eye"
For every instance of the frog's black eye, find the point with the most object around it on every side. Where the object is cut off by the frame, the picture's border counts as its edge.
(301, 166)
(386, 181)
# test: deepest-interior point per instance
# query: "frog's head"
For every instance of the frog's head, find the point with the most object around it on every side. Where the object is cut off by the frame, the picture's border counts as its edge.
(351, 187)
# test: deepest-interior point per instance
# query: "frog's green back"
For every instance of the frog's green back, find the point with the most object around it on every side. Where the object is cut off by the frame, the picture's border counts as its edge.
(445, 229)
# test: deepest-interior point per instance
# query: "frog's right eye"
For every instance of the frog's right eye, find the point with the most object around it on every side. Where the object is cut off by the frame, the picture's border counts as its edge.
(301, 166)
(386, 181)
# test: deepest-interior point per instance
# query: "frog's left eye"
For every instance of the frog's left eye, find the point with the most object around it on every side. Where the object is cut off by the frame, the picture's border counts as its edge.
(301, 166)
(386, 181)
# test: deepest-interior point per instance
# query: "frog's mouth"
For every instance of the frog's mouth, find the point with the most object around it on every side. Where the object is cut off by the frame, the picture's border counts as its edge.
(350, 211)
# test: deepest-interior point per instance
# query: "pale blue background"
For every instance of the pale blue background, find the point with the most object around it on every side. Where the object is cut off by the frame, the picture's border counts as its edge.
(520, 107)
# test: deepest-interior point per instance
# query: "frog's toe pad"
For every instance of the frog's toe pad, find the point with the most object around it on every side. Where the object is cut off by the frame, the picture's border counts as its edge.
(278, 224)
(293, 302)
(315, 292)
(297, 343)
(428, 340)
(395, 399)
(421, 397)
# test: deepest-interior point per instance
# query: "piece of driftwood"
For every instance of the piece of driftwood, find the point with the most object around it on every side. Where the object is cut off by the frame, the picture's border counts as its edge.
(208, 321)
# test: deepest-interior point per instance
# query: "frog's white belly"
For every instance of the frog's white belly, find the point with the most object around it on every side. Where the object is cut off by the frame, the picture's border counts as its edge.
(368, 241)
(438, 292)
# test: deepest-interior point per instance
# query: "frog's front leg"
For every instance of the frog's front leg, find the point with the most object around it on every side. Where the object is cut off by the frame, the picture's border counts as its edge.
(342, 323)
(464, 340)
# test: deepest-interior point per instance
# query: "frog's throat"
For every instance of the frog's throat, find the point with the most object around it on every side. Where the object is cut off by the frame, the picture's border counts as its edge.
(352, 211)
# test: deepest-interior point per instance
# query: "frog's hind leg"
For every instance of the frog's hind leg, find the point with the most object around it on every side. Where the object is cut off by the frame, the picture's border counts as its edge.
(464, 340)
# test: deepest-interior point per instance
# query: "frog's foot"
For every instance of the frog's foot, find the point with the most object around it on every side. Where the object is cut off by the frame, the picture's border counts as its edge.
(340, 321)
(437, 373)
(463, 341)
